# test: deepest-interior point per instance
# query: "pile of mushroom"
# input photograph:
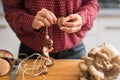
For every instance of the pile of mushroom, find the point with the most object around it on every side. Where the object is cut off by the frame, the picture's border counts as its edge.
(101, 63)
(6, 62)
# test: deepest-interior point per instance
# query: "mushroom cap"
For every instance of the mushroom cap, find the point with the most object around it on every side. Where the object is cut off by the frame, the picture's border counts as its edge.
(86, 58)
(4, 67)
(61, 21)
(83, 67)
(116, 60)
(50, 63)
(44, 69)
(6, 54)
(93, 51)
(113, 51)
(102, 55)
(47, 42)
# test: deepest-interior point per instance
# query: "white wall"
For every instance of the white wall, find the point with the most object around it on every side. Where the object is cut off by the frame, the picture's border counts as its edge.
(106, 29)
(8, 39)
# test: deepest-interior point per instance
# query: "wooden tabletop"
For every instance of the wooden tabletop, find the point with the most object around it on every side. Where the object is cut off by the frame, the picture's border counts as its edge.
(61, 70)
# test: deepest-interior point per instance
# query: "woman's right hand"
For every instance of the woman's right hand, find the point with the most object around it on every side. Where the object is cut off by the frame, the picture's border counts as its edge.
(43, 18)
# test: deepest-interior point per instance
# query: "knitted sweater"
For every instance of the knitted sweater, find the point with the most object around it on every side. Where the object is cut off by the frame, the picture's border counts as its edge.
(20, 14)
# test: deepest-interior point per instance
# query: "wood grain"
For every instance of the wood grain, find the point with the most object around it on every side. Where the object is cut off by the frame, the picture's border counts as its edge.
(62, 70)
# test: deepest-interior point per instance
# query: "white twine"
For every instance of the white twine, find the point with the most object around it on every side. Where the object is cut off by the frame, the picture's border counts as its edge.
(34, 67)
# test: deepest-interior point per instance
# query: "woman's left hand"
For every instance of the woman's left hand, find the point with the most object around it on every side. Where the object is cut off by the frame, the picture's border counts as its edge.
(71, 23)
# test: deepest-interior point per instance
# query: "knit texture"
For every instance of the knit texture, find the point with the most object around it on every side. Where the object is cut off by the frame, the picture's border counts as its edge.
(20, 14)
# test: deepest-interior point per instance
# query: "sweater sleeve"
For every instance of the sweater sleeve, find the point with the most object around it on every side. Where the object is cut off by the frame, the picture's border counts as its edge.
(17, 17)
(88, 12)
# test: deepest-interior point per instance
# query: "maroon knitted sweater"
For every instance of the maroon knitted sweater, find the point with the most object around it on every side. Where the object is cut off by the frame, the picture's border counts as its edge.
(20, 14)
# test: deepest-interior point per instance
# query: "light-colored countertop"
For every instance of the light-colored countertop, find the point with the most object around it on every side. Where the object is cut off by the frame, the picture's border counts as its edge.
(61, 70)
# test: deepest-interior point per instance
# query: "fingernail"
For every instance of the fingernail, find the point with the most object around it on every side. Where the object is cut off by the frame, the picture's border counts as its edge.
(61, 27)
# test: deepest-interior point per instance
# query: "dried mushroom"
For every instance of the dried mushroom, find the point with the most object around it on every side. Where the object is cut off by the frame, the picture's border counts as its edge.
(6, 62)
(116, 60)
(47, 48)
(104, 63)
(6, 54)
(49, 62)
(4, 67)
(61, 21)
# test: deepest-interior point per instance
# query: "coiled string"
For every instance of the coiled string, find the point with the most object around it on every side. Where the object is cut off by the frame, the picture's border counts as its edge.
(35, 70)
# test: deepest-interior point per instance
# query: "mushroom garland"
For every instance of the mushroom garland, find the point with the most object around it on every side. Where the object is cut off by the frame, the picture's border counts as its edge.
(6, 62)
(47, 47)
(102, 63)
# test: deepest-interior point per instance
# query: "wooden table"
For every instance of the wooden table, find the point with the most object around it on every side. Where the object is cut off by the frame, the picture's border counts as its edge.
(62, 70)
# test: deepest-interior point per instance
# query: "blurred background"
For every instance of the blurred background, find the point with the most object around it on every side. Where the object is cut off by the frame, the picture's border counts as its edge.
(106, 28)
(8, 39)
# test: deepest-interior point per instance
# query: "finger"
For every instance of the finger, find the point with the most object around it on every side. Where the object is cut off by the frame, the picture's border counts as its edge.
(41, 23)
(76, 29)
(70, 17)
(73, 20)
(62, 20)
(73, 24)
(70, 30)
(47, 16)
(44, 20)
(66, 29)
(59, 22)
(37, 24)
(54, 17)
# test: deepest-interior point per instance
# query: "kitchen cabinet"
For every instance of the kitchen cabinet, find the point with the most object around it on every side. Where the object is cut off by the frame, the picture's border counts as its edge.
(106, 29)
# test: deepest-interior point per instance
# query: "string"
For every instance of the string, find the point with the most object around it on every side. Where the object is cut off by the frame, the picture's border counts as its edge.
(34, 68)
(46, 30)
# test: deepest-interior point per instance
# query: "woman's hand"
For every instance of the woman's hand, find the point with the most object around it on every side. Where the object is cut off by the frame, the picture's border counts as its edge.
(71, 23)
(44, 17)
